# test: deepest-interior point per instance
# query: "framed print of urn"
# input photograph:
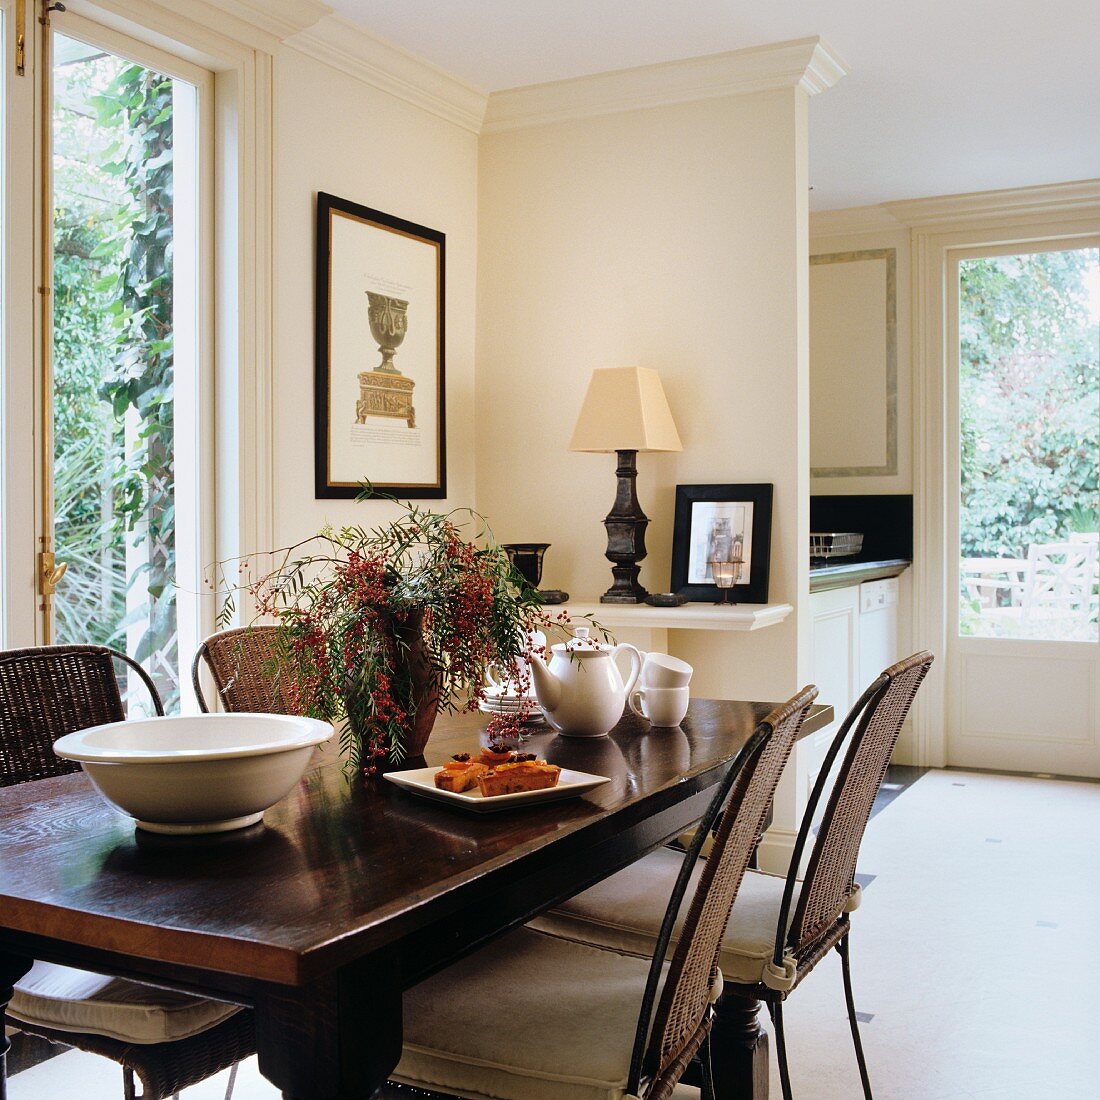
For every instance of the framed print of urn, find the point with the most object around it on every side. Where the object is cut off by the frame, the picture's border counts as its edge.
(380, 399)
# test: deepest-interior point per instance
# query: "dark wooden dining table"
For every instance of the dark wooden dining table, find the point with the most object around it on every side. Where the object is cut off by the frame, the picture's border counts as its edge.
(351, 891)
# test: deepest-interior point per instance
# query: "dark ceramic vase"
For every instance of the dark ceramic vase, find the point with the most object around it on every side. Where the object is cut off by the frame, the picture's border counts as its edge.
(406, 645)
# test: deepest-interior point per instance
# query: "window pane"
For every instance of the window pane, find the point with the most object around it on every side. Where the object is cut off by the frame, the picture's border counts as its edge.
(1029, 403)
(114, 382)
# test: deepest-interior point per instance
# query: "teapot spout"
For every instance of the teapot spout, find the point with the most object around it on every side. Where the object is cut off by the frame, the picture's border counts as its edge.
(547, 685)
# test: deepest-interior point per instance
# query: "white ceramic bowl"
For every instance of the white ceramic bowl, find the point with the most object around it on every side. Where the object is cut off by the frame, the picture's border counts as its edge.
(205, 773)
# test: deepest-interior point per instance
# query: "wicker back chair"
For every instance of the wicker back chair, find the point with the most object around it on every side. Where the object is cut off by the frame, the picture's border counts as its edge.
(241, 662)
(829, 892)
(531, 972)
(829, 883)
(45, 693)
(693, 978)
(48, 691)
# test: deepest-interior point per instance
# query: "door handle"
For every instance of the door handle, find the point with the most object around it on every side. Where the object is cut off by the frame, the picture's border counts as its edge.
(50, 572)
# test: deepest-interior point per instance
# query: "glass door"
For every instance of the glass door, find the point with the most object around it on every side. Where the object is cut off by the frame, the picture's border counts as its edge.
(106, 402)
(1026, 525)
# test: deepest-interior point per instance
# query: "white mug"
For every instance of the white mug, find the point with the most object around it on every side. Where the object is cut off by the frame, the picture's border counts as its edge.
(661, 706)
(662, 670)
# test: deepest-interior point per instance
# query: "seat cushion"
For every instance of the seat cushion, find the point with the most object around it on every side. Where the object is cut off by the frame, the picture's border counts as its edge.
(63, 999)
(624, 913)
(531, 1017)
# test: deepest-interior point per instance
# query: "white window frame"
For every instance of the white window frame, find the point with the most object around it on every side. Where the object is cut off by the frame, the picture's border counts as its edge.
(967, 223)
(237, 48)
(18, 325)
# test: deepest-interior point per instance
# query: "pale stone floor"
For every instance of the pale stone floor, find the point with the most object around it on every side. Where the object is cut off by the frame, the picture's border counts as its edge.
(976, 955)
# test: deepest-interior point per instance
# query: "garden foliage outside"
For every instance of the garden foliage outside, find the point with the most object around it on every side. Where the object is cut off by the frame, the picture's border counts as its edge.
(1029, 396)
(113, 364)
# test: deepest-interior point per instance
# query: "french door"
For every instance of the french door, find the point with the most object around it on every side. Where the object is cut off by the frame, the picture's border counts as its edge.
(107, 367)
(1023, 515)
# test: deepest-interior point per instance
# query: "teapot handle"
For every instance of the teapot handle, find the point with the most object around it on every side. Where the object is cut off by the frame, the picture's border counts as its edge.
(635, 664)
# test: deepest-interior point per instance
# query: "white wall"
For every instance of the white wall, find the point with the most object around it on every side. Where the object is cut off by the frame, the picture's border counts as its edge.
(338, 134)
(676, 238)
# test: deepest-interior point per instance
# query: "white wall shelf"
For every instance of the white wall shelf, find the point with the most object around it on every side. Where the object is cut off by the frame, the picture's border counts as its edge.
(690, 616)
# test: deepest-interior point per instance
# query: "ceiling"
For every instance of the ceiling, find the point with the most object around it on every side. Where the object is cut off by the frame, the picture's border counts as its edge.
(944, 96)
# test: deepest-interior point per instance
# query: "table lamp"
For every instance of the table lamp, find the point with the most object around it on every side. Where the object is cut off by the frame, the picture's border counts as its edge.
(625, 411)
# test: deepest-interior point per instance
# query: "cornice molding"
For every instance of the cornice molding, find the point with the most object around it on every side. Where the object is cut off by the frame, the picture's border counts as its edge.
(853, 220)
(807, 63)
(1056, 199)
(349, 48)
(281, 18)
(255, 24)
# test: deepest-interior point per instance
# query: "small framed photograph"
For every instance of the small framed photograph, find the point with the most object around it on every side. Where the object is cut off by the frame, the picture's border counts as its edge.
(380, 398)
(723, 523)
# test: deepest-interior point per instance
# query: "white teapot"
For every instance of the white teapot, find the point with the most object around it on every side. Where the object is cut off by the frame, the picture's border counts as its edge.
(581, 691)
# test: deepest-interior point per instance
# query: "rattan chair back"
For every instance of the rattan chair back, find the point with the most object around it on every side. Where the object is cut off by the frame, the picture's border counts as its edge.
(682, 1014)
(49, 691)
(830, 874)
(246, 665)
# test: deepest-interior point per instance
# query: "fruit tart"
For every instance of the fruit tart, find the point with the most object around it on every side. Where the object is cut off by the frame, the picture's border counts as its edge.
(459, 774)
(523, 772)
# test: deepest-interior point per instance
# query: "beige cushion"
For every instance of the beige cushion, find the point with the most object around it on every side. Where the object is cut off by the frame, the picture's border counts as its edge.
(624, 913)
(531, 1017)
(64, 999)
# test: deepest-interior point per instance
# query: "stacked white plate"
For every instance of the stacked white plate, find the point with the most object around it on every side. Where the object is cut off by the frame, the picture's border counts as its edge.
(505, 703)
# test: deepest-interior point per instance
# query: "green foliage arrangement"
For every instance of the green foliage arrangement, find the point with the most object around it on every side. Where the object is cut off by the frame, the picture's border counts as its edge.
(385, 626)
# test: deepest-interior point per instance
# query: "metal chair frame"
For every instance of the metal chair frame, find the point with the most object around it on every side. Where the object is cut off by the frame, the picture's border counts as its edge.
(788, 930)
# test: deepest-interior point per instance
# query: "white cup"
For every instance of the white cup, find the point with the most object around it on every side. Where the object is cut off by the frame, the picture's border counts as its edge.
(661, 706)
(662, 670)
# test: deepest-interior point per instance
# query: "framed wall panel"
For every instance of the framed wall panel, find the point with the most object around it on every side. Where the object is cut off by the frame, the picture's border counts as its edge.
(854, 364)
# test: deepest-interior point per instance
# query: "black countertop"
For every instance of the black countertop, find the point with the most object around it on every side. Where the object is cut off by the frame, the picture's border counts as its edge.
(842, 574)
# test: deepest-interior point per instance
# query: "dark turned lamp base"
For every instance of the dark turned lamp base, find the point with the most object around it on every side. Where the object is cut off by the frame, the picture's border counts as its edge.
(626, 524)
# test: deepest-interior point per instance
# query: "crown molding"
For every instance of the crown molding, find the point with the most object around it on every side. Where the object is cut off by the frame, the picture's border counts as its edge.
(348, 47)
(256, 24)
(853, 220)
(807, 63)
(281, 18)
(1056, 199)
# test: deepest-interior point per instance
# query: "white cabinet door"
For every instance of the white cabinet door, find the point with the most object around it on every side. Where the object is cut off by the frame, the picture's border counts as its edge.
(836, 618)
(878, 628)
(855, 638)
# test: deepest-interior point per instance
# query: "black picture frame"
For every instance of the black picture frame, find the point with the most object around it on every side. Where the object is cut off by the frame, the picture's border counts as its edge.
(333, 479)
(697, 505)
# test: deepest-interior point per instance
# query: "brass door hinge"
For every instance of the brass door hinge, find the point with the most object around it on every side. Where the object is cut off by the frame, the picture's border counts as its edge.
(50, 572)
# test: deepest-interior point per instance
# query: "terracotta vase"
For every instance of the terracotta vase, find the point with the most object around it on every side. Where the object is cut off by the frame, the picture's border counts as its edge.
(427, 687)
(406, 645)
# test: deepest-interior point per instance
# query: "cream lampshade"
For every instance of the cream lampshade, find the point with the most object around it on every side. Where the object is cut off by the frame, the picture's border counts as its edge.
(625, 410)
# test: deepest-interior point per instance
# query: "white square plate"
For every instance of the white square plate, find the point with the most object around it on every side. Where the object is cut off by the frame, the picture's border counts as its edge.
(421, 781)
